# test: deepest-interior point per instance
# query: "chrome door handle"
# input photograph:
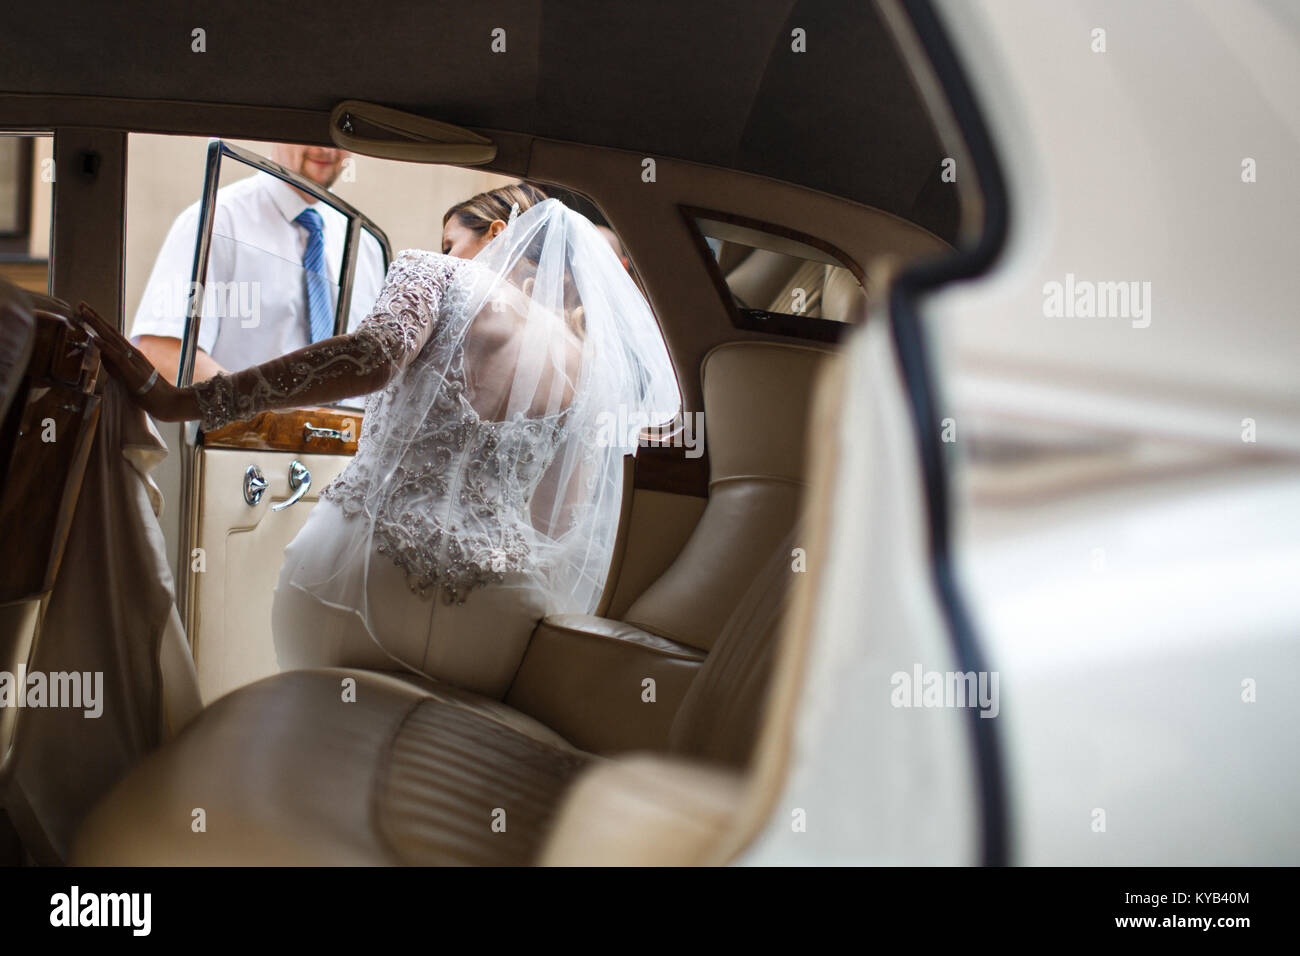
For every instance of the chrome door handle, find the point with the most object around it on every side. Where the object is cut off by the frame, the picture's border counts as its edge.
(299, 481)
(310, 431)
(254, 484)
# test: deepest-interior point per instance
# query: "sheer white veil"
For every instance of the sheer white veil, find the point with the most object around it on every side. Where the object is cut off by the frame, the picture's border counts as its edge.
(547, 339)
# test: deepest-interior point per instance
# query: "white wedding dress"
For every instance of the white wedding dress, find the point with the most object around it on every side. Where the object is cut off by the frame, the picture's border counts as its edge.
(477, 645)
(486, 487)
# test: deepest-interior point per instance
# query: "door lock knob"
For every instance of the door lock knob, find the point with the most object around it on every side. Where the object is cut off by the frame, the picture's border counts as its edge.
(254, 484)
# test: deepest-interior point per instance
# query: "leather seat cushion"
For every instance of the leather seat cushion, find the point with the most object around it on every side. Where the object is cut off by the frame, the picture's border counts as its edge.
(692, 600)
(288, 773)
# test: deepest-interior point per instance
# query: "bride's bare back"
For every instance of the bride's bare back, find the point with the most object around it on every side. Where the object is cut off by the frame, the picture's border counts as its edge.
(514, 364)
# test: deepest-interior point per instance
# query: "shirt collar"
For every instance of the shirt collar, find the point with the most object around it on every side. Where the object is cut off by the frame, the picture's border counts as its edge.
(286, 198)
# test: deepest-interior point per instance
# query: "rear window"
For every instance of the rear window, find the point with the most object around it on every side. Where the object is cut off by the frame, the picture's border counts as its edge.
(778, 281)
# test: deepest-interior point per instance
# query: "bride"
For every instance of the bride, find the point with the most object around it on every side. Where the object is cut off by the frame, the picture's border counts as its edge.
(487, 483)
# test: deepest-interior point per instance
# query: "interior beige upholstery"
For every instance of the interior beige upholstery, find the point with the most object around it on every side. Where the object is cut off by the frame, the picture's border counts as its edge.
(653, 810)
(756, 397)
(586, 678)
(287, 771)
(644, 810)
(658, 527)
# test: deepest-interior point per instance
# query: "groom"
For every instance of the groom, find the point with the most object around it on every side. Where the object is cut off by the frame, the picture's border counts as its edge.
(277, 252)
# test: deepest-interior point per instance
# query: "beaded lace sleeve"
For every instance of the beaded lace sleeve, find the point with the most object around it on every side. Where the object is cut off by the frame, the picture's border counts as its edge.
(364, 361)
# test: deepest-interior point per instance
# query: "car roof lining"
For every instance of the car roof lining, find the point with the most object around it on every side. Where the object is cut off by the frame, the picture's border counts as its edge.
(675, 79)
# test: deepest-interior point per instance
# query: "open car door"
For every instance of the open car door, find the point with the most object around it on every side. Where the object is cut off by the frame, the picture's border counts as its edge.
(247, 488)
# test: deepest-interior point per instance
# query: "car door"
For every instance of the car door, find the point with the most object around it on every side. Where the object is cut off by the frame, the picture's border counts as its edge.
(248, 488)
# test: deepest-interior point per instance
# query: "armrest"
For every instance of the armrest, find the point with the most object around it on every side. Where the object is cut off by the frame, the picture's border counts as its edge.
(644, 810)
(584, 676)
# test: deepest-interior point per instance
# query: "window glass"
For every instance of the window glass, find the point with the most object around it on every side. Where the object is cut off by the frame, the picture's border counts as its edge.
(780, 283)
(26, 199)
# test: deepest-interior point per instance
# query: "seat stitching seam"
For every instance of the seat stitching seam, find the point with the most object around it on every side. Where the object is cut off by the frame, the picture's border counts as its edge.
(381, 777)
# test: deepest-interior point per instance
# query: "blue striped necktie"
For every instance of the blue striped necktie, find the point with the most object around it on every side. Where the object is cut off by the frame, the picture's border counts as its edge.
(320, 308)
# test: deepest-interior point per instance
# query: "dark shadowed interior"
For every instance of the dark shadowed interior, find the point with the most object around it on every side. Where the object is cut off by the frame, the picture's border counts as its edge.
(690, 81)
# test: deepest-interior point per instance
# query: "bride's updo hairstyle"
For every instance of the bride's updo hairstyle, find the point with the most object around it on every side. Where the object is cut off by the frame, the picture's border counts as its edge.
(479, 212)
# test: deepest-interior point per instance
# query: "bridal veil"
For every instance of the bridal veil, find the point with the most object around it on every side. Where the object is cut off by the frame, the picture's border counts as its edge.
(499, 447)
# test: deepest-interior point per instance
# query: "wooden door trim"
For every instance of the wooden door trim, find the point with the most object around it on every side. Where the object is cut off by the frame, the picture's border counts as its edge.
(287, 431)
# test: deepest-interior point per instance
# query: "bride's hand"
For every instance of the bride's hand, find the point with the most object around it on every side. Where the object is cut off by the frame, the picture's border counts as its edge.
(160, 398)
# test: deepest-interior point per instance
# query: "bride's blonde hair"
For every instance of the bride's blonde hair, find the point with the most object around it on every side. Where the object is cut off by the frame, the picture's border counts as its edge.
(479, 212)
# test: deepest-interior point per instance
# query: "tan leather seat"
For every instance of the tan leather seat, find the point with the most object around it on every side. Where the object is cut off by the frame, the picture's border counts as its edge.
(756, 398)
(284, 772)
(583, 675)
(288, 772)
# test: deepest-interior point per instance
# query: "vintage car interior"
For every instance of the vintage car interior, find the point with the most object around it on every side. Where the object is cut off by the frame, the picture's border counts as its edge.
(757, 259)
(973, 539)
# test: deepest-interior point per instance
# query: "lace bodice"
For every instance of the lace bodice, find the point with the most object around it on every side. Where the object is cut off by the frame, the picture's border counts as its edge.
(448, 491)
(456, 515)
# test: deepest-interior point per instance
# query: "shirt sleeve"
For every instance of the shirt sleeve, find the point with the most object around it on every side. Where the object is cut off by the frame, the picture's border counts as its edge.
(164, 306)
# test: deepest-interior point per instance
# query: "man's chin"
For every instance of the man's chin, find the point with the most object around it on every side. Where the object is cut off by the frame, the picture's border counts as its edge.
(311, 177)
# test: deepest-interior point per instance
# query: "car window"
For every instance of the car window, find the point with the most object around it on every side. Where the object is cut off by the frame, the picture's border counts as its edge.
(26, 198)
(777, 281)
(265, 292)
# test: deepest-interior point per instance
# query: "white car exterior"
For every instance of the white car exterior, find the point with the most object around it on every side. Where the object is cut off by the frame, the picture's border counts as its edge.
(1125, 477)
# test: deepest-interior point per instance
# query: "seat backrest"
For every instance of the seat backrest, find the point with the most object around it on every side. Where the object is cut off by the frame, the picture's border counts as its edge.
(756, 397)
(720, 716)
(724, 591)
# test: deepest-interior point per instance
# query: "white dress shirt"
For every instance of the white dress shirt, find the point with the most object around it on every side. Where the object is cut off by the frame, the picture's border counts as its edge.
(255, 296)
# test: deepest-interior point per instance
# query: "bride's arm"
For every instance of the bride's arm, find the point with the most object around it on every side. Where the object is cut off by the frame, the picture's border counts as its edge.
(340, 367)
